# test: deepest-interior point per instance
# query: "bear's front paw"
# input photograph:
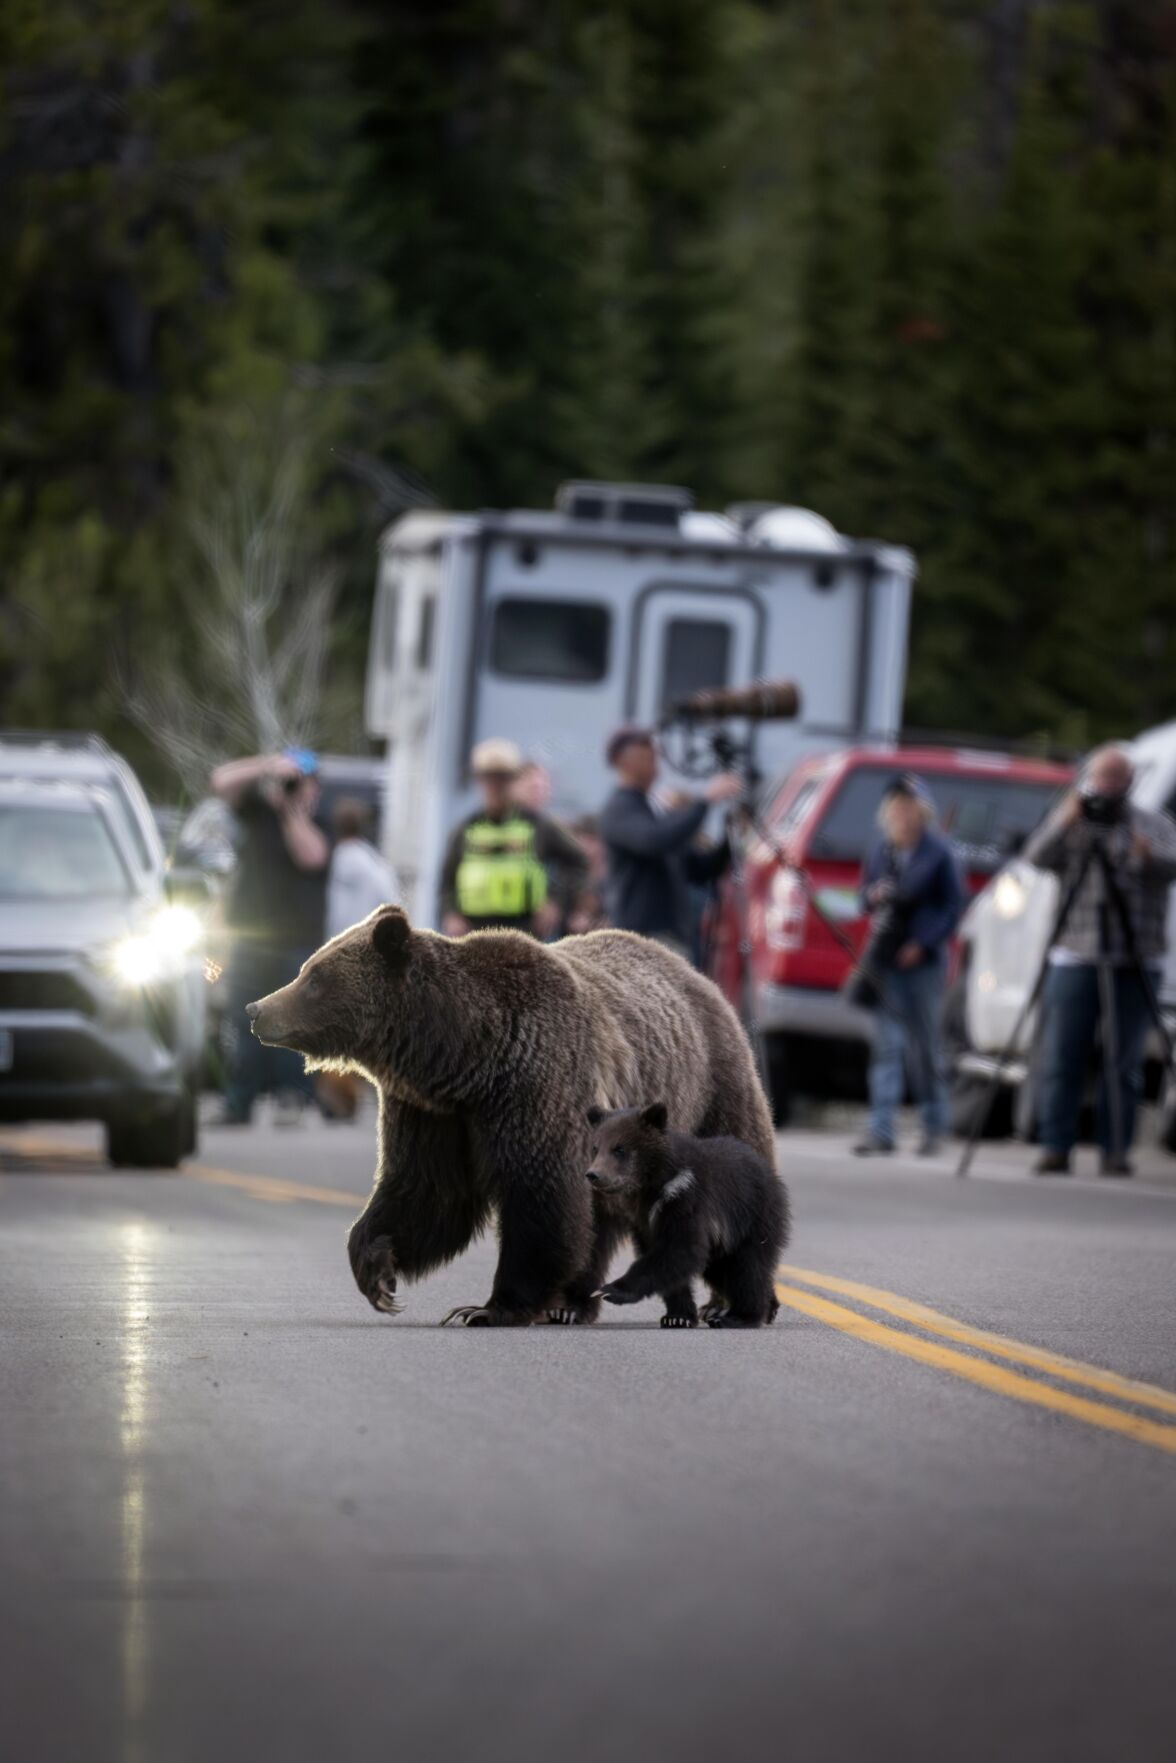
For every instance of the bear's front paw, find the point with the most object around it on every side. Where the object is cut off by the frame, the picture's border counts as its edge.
(374, 1266)
(617, 1294)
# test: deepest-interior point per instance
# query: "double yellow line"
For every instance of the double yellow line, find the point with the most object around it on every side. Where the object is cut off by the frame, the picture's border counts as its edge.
(1052, 1387)
(974, 1368)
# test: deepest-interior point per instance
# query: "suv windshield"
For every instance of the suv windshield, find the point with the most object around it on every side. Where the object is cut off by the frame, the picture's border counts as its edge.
(986, 818)
(57, 854)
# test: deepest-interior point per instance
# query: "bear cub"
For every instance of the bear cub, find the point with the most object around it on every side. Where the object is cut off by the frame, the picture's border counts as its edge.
(698, 1207)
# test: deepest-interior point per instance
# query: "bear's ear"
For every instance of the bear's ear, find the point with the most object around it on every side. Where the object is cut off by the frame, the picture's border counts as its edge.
(655, 1116)
(594, 1116)
(391, 935)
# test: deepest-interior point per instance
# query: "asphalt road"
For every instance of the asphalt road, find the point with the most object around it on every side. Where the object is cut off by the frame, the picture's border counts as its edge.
(244, 1517)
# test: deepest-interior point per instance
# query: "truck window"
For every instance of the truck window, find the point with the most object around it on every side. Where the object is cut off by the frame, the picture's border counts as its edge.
(984, 817)
(696, 654)
(389, 616)
(553, 640)
(424, 648)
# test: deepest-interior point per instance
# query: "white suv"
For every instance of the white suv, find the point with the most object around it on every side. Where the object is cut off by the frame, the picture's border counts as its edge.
(102, 993)
(1004, 935)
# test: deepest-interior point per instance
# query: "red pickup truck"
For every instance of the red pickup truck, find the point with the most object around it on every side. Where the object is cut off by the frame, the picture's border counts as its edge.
(821, 822)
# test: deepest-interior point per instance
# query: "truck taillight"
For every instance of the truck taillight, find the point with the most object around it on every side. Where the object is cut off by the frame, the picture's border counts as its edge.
(784, 913)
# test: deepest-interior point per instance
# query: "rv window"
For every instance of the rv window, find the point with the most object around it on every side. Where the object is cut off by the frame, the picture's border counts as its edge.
(550, 640)
(424, 652)
(697, 654)
(390, 613)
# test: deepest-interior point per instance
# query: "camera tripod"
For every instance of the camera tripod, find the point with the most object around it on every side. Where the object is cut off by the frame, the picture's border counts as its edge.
(1112, 900)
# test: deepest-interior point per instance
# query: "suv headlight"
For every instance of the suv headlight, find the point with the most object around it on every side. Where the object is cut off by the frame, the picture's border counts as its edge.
(1009, 895)
(159, 952)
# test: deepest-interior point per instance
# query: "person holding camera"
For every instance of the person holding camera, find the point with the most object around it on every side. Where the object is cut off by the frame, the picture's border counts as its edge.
(274, 913)
(912, 890)
(652, 854)
(1092, 824)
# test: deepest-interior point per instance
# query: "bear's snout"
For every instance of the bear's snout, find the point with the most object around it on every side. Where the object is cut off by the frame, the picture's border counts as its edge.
(265, 1021)
(591, 1175)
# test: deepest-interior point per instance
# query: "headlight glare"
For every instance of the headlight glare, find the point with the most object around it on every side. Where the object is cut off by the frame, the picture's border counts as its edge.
(1008, 896)
(160, 950)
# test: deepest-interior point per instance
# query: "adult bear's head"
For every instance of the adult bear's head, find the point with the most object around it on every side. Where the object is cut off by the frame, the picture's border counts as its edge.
(344, 1008)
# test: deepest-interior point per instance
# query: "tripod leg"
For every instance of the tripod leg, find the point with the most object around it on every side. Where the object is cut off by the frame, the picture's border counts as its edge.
(1142, 972)
(1112, 1082)
(1027, 1009)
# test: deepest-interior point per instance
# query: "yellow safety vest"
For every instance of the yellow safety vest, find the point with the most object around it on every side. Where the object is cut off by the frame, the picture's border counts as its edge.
(499, 875)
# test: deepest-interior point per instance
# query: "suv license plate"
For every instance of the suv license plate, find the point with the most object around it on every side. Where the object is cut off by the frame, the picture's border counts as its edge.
(5, 1049)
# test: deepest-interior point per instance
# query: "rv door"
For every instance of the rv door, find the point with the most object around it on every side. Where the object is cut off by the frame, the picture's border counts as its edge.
(687, 638)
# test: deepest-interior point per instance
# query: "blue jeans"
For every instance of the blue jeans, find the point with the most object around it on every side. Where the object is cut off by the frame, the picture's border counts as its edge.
(1071, 1018)
(907, 1037)
(253, 1068)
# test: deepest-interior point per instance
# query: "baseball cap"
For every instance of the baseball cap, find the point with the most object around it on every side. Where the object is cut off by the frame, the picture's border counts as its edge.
(907, 784)
(303, 758)
(496, 758)
(627, 736)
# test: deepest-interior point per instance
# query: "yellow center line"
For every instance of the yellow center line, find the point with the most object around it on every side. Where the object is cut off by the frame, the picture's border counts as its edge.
(979, 1371)
(1091, 1377)
(272, 1187)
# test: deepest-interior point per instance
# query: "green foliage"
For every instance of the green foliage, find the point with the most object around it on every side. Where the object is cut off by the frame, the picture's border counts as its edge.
(912, 262)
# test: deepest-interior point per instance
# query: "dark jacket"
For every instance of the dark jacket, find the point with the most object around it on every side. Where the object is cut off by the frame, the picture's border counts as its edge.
(651, 863)
(928, 887)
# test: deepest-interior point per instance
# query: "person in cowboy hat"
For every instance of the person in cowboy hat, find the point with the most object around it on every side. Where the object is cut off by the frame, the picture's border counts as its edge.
(507, 867)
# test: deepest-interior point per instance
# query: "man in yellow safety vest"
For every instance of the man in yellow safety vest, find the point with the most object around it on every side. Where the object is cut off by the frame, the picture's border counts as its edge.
(506, 866)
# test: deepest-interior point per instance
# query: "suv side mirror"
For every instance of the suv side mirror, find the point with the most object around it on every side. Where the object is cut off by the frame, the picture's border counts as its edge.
(187, 887)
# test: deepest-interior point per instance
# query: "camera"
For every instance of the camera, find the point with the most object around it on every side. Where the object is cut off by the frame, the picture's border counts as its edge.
(886, 938)
(696, 748)
(1102, 810)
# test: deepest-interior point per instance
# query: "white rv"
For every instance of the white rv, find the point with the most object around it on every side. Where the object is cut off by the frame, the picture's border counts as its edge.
(551, 628)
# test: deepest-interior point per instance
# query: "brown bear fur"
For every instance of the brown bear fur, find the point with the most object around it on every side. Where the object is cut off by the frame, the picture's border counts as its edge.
(487, 1053)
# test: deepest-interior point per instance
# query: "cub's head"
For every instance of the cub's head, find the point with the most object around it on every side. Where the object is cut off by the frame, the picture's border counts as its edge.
(341, 1009)
(624, 1145)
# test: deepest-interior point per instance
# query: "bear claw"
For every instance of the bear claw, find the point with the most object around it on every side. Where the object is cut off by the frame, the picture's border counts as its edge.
(386, 1299)
(679, 1322)
(469, 1314)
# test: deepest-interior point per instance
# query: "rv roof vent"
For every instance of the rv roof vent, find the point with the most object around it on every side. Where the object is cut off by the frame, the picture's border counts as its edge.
(624, 504)
(795, 529)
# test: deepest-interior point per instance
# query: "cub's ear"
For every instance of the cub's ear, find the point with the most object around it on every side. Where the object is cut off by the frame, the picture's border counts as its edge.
(655, 1116)
(391, 935)
(594, 1116)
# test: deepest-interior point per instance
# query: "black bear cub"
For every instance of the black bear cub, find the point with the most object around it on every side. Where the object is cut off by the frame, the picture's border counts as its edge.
(709, 1207)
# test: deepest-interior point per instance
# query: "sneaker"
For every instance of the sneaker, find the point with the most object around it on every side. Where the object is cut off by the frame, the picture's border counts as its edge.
(928, 1146)
(1115, 1165)
(1052, 1163)
(871, 1147)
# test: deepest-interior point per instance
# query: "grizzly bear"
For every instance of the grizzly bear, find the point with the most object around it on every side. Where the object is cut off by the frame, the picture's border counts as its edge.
(487, 1053)
(710, 1209)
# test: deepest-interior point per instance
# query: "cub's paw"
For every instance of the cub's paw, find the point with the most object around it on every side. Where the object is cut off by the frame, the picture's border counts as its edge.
(617, 1294)
(679, 1322)
(373, 1265)
(711, 1311)
(727, 1321)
